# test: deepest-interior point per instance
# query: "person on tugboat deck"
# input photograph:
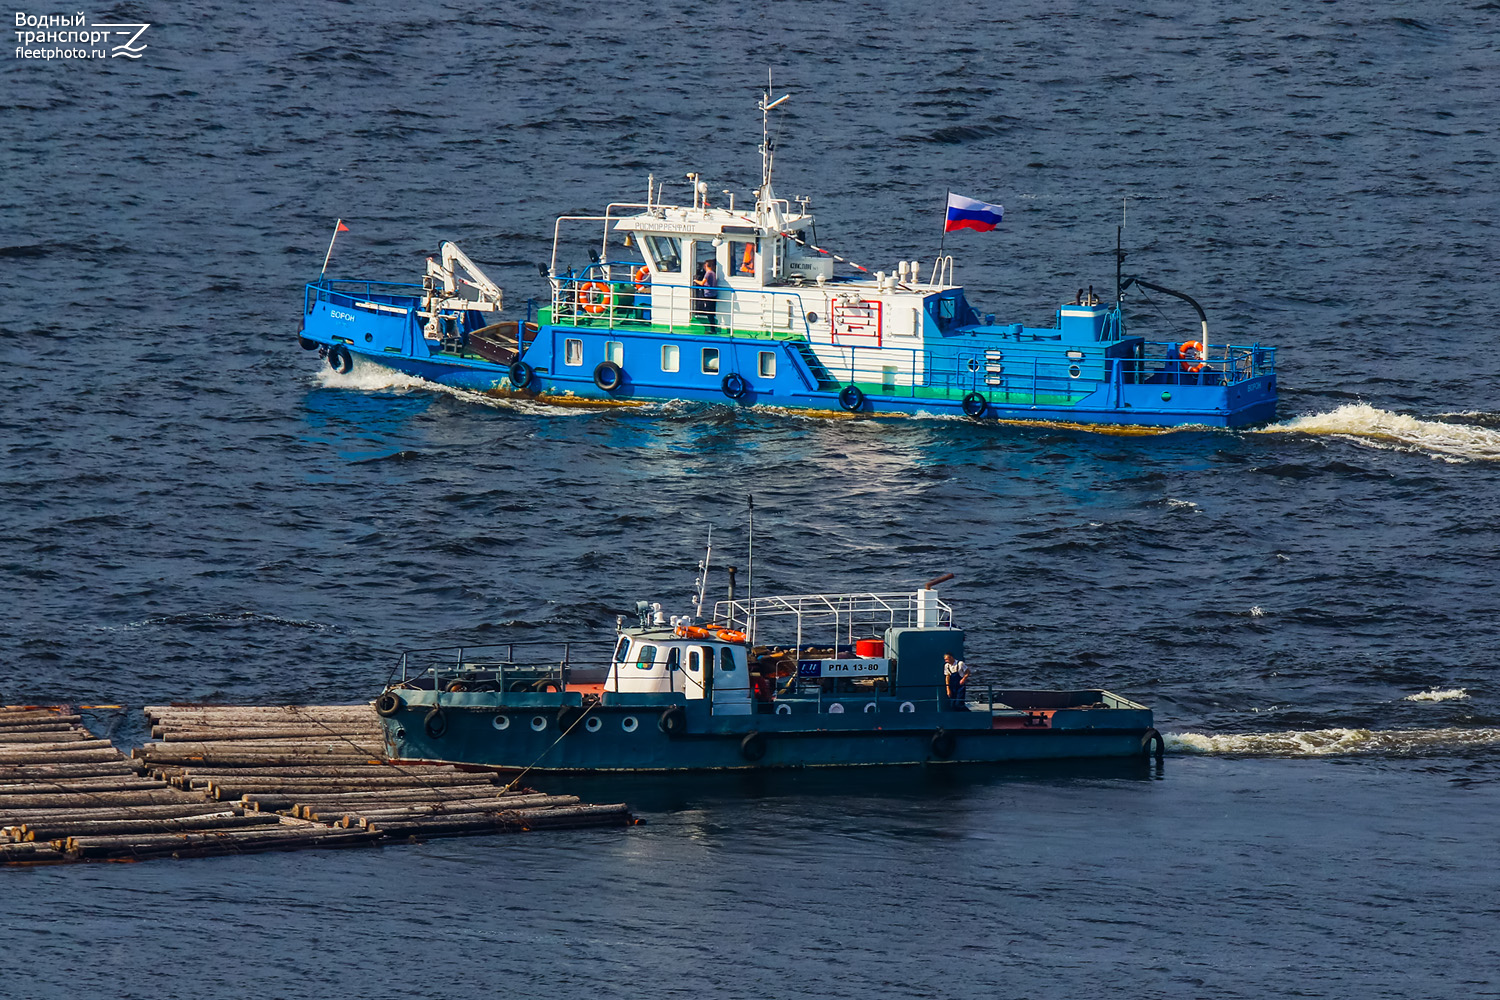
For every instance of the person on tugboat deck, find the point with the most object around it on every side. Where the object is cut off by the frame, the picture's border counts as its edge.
(708, 296)
(956, 680)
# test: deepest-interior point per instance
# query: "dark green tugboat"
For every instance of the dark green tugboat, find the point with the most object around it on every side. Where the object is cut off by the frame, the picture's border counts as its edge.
(810, 680)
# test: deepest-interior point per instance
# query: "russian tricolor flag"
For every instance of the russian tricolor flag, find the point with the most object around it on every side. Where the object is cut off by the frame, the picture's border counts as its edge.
(966, 213)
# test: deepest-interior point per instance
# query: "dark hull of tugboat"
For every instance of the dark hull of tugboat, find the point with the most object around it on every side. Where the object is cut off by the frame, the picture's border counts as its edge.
(549, 732)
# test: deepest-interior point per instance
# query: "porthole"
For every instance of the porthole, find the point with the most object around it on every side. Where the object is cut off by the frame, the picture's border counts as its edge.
(594, 724)
(1074, 371)
(369, 338)
(973, 364)
(836, 709)
(629, 723)
(501, 722)
(538, 723)
(400, 735)
(812, 317)
(1166, 397)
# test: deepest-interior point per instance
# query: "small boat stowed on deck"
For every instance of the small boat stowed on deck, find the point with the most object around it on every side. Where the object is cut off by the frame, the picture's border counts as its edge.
(780, 328)
(786, 681)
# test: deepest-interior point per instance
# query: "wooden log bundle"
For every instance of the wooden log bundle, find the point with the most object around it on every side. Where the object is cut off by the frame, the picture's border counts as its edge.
(211, 779)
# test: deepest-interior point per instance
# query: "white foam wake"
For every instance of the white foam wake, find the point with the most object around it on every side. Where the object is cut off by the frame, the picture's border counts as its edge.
(1450, 694)
(1375, 428)
(1331, 742)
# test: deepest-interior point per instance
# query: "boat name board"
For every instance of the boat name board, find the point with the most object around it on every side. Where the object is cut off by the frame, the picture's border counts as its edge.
(878, 667)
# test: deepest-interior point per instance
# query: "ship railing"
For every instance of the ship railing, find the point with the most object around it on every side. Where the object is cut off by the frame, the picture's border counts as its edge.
(354, 293)
(1225, 364)
(510, 666)
(766, 312)
(842, 617)
(1008, 374)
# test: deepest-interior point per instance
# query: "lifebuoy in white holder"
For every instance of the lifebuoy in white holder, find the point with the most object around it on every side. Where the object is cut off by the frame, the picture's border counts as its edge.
(907, 706)
(783, 709)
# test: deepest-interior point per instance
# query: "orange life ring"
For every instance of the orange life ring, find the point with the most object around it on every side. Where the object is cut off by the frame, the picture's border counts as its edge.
(1192, 352)
(692, 632)
(593, 296)
(730, 635)
(641, 277)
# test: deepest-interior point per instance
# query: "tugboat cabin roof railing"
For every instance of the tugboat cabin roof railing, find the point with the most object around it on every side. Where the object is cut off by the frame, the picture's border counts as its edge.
(906, 609)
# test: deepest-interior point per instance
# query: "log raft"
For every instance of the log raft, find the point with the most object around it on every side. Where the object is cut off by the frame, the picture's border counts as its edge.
(220, 779)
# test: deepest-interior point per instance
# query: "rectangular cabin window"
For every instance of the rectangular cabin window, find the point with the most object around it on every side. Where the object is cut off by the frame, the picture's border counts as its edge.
(620, 649)
(694, 661)
(766, 364)
(614, 351)
(742, 259)
(669, 357)
(572, 352)
(888, 377)
(674, 659)
(665, 252)
(710, 361)
(726, 659)
(645, 657)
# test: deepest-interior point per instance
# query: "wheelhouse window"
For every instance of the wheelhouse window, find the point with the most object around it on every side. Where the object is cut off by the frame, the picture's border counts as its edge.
(669, 357)
(621, 648)
(742, 258)
(710, 361)
(614, 351)
(572, 352)
(726, 659)
(674, 659)
(766, 364)
(665, 252)
(645, 657)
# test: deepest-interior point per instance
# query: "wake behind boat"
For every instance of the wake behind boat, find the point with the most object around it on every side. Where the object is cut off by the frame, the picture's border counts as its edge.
(722, 304)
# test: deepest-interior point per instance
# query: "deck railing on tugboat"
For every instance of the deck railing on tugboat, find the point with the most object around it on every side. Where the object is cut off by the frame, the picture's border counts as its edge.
(622, 305)
(485, 667)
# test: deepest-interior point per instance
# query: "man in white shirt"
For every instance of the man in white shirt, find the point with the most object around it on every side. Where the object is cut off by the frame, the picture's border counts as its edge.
(956, 680)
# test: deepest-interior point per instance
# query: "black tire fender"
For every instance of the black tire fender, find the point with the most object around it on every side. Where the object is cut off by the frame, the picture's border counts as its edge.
(735, 386)
(943, 744)
(436, 723)
(568, 716)
(753, 746)
(307, 345)
(673, 721)
(521, 375)
(609, 377)
(852, 398)
(1152, 744)
(388, 704)
(340, 360)
(975, 404)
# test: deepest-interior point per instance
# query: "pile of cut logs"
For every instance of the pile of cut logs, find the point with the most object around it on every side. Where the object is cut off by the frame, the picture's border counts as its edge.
(323, 763)
(230, 780)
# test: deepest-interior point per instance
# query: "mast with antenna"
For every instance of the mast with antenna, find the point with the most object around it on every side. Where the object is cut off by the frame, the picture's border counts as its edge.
(767, 156)
(701, 584)
(1120, 251)
(750, 580)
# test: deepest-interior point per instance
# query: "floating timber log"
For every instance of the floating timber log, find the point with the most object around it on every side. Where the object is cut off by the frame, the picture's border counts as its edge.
(120, 827)
(66, 795)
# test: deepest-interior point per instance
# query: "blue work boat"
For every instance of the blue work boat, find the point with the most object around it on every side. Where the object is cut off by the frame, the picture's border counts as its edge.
(775, 325)
(812, 680)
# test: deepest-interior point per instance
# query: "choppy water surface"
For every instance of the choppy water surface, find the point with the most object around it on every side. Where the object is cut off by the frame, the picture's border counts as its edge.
(192, 509)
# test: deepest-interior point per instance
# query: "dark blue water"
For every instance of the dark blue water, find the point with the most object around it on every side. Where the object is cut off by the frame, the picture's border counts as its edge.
(191, 508)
